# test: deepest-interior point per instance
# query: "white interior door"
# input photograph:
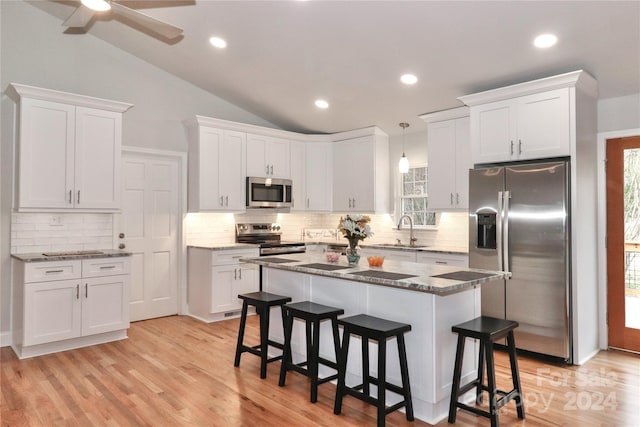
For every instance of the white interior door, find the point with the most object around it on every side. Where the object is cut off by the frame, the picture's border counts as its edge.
(150, 225)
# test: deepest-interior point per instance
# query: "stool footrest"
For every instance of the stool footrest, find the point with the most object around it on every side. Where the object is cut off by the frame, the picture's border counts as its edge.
(353, 391)
(391, 387)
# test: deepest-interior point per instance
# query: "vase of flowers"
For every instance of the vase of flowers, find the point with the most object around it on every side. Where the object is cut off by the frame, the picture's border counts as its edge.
(354, 228)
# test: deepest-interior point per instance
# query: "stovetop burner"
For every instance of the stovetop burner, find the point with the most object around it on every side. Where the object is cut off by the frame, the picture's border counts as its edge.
(268, 236)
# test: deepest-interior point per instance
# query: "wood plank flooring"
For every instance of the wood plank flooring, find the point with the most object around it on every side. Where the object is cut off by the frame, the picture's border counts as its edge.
(176, 371)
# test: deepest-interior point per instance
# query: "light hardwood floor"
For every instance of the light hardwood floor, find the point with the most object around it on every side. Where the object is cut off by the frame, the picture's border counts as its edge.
(176, 371)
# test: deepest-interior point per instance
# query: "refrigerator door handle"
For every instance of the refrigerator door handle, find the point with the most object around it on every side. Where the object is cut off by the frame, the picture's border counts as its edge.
(499, 231)
(505, 227)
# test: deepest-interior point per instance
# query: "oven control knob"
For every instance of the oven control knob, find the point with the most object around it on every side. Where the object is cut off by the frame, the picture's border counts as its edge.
(277, 227)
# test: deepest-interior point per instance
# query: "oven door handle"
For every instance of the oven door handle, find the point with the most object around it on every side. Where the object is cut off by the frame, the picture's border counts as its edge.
(281, 250)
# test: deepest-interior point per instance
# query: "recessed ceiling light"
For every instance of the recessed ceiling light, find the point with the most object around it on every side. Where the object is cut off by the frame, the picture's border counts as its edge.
(544, 41)
(321, 103)
(218, 42)
(408, 79)
(97, 5)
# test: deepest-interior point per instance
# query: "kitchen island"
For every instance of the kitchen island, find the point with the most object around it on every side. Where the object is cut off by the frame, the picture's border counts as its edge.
(400, 291)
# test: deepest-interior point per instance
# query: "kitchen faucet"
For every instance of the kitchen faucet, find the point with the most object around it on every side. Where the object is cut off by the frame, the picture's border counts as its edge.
(412, 240)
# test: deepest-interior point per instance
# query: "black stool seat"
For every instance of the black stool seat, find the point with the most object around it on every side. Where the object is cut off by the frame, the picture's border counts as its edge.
(312, 314)
(262, 301)
(487, 330)
(377, 329)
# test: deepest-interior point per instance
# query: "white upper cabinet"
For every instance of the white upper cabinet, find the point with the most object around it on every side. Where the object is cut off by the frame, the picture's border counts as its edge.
(449, 159)
(68, 151)
(527, 127)
(216, 168)
(532, 120)
(297, 156)
(361, 174)
(318, 176)
(267, 156)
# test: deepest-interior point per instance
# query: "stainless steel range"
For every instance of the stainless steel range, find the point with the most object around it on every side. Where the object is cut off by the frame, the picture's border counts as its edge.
(268, 236)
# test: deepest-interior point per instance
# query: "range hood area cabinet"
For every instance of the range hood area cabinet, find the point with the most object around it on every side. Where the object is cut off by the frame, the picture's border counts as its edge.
(312, 176)
(527, 121)
(216, 168)
(267, 157)
(68, 150)
(449, 159)
(361, 174)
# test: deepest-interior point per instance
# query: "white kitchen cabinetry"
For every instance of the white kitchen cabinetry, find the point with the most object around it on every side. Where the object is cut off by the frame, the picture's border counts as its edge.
(297, 157)
(216, 277)
(68, 150)
(60, 305)
(267, 156)
(437, 258)
(216, 168)
(361, 174)
(449, 158)
(318, 176)
(390, 254)
(528, 127)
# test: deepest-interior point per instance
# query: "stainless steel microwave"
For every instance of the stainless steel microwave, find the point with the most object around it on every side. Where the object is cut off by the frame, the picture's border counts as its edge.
(268, 192)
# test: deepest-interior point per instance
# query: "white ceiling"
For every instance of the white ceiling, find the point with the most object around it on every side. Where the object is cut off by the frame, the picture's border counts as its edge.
(282, 55)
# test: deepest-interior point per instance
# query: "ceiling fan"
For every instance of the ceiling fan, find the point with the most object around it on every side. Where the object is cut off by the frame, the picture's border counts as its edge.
(90, 8)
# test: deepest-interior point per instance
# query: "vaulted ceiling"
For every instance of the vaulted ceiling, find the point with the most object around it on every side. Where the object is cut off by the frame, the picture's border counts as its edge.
(283, 55)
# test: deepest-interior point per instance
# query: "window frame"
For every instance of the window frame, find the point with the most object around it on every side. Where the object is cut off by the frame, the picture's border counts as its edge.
(399, 195)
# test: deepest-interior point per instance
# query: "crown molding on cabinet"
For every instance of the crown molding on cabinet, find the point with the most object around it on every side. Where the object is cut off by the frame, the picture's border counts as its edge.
(579, 79)
(279, 133)
(16, 91)
(440, 116)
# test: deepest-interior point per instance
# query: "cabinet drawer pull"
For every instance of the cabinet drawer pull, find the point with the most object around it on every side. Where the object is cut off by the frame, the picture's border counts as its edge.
(267, 171)
(54, 271)
(69, 196)
(240, 273)
(78, 196)
(235, 274)
(221, 200)
(237, 256)
(86, 290)
(271, 169)
(77, 291)
(442, 262)
(107, 267)
(519, 146)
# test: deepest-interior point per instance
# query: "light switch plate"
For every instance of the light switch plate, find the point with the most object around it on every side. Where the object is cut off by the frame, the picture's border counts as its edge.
(55, 220)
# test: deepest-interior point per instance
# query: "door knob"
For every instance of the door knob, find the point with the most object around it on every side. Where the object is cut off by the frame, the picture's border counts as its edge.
(121, 246)
(121, 235)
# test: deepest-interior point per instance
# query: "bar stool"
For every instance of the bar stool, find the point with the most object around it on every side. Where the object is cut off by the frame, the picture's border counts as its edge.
(487, 330)
(312, 314)
(262, 301)
(369, 327)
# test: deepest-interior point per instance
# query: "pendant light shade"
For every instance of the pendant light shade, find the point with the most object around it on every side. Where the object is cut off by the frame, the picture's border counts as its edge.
(403, 164)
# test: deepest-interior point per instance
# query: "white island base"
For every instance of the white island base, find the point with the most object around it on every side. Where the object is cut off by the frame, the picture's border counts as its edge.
(431, 346)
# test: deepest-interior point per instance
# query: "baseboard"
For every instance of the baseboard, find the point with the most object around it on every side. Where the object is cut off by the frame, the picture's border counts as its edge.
(5, 339)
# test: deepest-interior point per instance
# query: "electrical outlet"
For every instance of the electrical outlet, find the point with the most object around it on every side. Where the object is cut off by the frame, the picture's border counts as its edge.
(55, 220)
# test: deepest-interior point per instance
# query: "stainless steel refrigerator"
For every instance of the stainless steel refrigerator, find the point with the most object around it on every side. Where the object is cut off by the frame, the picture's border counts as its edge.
(519, 223)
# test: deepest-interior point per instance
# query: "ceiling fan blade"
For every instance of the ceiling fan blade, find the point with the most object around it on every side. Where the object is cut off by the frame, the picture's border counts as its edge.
(80, 18)
(153, 24)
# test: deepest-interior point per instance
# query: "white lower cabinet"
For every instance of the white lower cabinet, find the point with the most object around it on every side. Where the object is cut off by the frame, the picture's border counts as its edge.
(58, 307)
(216, 277)
(437, 258)
(390, 254)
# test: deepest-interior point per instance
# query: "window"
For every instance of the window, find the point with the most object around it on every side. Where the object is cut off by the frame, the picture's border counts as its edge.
(413, 197)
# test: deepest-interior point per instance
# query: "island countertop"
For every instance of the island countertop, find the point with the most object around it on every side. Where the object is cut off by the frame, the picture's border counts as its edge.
(398, 274)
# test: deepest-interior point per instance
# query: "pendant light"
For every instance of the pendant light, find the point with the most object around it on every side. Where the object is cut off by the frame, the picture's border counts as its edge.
(403, 164)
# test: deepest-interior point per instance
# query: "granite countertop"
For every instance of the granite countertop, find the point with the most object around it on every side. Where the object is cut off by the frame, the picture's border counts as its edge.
(394, 247)
(70, 255)
(225, 246)
(392, 273)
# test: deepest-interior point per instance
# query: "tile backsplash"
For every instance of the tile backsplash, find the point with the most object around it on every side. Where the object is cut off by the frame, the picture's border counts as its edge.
(39, 232)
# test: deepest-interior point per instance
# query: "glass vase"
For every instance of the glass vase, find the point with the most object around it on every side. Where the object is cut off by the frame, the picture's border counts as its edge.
(353, 257)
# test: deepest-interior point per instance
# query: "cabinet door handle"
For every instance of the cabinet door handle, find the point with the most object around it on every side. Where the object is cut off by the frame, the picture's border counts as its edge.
(457, 198)
(221, 200)
(235, 274)
(267, 171)
(54, 271)
(354, 203)
(307, 203)
(107, 267)
(442, 262)
(70, 196)
(78, 291)
(226, 200)
(451, 198)
(271, 169)
(86, 290)
(512, 148)
(237, 256)
(240, 274)
(78, 196)
(519, 146)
